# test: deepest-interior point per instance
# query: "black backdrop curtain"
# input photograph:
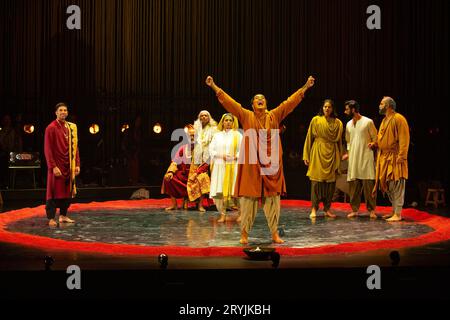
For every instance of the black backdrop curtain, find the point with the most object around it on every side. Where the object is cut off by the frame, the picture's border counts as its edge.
(151, 58)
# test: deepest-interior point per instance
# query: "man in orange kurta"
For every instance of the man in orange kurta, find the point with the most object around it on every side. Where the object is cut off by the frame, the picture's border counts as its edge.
(392, 165)
(260, 171)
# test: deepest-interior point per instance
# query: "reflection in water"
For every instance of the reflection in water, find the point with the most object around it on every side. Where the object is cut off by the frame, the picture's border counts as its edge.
(157, 227)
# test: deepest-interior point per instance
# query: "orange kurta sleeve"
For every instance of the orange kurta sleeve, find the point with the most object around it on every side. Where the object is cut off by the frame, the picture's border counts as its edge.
(288, 105)
(233, 107)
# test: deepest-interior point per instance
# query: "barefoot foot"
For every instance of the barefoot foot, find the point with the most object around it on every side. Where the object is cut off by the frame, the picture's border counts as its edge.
(352, 215)
(329, 214)
(244, 238)
(276, 238)
(64, 219)
(222, 218)
(387, 216)
(395, 218)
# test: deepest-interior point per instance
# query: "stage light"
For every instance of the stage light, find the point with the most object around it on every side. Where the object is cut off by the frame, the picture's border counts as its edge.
(163, 260)
(125, 127)
(48, 262)
(94, 128)
(259, 253)
(157, 128)
(395, 258)
(275, 257)
(28, 128)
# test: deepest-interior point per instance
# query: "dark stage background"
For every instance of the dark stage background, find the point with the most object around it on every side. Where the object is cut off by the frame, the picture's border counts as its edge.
(151, 58)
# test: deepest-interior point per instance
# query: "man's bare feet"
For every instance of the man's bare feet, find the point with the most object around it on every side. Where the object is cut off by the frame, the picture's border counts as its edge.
(352, 215)
(52, 223)
(373, 215)
(330, 214)
(170, 208)
(201, 209)
(313, 213)
(65, 219)
(387, 216)
(395, 218)
(244, 237)
(276, 238)
(222, 218)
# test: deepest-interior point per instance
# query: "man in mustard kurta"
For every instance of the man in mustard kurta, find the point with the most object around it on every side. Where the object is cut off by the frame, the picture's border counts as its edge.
(322, 154)
(260, 170)
(392, 159)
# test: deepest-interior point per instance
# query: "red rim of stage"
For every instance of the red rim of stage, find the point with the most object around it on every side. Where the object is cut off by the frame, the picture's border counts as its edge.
(440, 225)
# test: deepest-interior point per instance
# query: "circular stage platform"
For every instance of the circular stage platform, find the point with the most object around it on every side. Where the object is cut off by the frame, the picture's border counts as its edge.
(139, 227)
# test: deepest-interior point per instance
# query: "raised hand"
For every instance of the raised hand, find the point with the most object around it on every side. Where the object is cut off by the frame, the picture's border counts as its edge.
(209, 81)
(310, 82)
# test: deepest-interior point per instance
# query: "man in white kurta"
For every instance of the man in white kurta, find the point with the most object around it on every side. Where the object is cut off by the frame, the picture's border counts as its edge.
(359, 133)
(224, 152)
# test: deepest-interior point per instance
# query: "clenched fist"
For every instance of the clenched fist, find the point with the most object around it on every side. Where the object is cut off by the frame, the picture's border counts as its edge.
(209, 81)
(310, 82)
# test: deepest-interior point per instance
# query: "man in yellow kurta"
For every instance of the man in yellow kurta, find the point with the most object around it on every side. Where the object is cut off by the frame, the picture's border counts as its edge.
(392, 164)
(322, 154)
(258, 176)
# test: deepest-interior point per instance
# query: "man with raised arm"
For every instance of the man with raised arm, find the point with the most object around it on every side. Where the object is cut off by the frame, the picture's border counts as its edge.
(260, 177)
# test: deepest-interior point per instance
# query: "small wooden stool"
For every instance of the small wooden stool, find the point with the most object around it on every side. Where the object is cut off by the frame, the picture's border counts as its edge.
(435, 197)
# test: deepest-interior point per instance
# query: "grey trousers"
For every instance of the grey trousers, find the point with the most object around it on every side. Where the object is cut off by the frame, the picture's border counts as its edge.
(396, 194)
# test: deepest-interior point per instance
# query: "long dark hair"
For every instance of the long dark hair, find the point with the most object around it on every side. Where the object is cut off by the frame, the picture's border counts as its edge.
(333, 113)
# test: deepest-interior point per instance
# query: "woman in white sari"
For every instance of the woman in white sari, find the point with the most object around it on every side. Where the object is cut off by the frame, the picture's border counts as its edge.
(224, 152)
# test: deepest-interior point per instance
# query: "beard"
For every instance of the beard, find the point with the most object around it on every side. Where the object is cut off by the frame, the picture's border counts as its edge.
(383, 111)
(350, 116)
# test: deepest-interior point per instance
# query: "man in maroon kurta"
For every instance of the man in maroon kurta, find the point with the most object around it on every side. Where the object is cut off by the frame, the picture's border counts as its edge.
(63, 163)
(176, 178)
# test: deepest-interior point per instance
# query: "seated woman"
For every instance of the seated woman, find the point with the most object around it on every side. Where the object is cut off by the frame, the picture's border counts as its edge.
(224, 152)
(176, 177)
